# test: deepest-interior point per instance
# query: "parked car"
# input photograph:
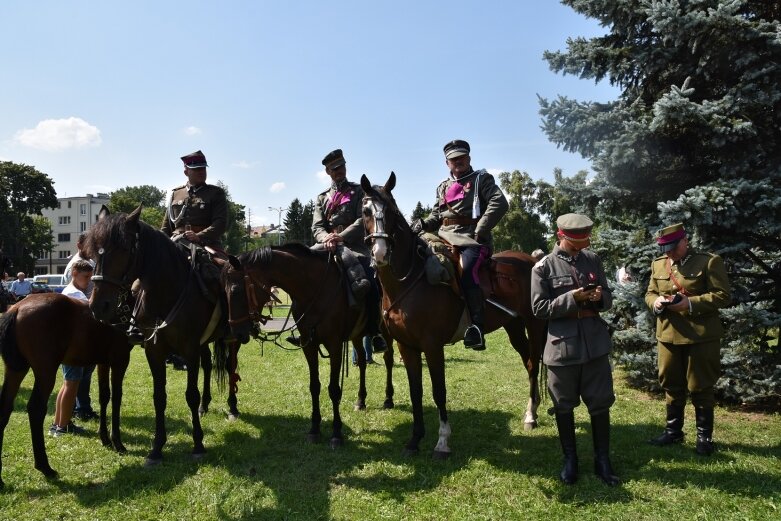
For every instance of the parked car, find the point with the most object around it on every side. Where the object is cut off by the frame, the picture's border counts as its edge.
(55, 281)
(40, 287)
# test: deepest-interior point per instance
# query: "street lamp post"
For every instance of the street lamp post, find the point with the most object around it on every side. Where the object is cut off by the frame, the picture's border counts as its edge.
(279, 221)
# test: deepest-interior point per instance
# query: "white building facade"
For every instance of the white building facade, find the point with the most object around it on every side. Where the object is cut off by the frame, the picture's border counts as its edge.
(72, 217)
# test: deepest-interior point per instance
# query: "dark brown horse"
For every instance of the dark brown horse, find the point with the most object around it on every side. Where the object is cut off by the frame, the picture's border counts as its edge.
(43, 331)
(180, 316)
(321, 310)
(423, 318)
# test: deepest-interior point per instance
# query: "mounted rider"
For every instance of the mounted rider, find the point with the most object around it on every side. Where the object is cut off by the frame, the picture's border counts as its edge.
(337, 225)
(197, 214)
(468, 206)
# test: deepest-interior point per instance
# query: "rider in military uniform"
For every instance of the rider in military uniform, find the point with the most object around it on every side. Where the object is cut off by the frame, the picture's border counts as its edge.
(569, 288)
(469, 204)
(685, 292)
(196, 211)
(337, 224)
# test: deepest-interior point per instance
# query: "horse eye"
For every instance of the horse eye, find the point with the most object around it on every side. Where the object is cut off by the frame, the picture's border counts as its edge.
(367, 211)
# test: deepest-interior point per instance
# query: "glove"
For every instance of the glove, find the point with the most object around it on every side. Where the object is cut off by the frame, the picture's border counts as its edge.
(418, 226)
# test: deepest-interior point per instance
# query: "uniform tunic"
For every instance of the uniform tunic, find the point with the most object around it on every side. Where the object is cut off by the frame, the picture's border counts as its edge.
(688, 341)
(339, 210)
(204, 208)
(456, 200)
(578, 343)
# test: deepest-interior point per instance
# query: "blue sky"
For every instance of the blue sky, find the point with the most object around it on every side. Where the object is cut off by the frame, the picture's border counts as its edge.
(103, 95)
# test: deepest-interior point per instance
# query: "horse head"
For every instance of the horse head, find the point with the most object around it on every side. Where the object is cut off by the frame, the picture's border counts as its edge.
(113, 244)
(244, 301)
(381, 218)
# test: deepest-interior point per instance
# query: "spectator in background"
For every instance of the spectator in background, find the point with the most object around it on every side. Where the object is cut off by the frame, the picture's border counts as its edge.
(21, 287)
(537, 255)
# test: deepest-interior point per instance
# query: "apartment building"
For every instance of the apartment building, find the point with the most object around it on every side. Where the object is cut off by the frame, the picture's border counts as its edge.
(71, 217)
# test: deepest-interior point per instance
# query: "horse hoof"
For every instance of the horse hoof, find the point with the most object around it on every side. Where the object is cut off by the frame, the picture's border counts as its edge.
(120, 449)
(359, 407)
(528, 426)
(336, 443)
(232, 417)
(152, 462)
(388, 404)
(313, 438)
(48, 472)
(440, 455)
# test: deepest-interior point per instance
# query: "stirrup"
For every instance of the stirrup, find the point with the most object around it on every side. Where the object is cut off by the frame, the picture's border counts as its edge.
(473, 338)
(378, 344)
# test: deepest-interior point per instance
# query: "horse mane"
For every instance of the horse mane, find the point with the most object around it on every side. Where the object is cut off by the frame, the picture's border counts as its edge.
(390, 203)
(262, 256)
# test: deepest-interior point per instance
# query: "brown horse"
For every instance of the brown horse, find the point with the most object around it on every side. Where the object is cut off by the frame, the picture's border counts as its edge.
(423, 318)
(43, 331)
(181, 317)
(321, 310)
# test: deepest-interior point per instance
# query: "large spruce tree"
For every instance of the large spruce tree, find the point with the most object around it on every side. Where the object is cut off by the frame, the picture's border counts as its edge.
(694, 136)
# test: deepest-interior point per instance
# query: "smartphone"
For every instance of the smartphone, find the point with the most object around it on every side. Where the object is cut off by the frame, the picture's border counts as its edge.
(677, 298)
(590, 286)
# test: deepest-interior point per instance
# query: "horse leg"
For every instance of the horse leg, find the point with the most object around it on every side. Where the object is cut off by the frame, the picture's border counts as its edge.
(36, 412)
(193, 397)
(387, 357)
(206, 396)
(104, 396)
(516, 331)
(11, 382)
(156, 360)
(413, 365)
(314, 390)
(357, 344)
(233, 364)
(335, 392)
(435, 359)
(119, 365)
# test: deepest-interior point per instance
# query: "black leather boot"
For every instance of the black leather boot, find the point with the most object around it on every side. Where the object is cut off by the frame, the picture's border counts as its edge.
(473, 336)
(600, 430)
(673, 431)
(565, 422)
(704, 417)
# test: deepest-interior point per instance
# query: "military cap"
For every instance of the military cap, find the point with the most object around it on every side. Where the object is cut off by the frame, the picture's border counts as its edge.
(334, 159)
(456, 148)
(195, 160)
(574, 227)
(667, 238)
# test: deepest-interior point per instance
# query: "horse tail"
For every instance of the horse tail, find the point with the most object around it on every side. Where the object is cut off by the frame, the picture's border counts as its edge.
(221, 355)
(9, 347)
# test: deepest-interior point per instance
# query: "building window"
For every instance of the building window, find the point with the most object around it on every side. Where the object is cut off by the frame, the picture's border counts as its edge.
(69, 204)
(64, 254)
(43, 255)
(82, 209)
(83, 226)
(65, 219)
(63, 237)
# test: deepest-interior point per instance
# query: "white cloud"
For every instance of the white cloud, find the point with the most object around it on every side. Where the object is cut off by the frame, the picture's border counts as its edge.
(192, 131)
(324, 178)
(60, 134)
(277, 187)
(244, 164)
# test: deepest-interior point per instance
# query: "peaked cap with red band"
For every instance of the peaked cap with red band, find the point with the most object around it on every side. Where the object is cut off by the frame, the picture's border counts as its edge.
(195, 160)
(667, 238)
(574, 227)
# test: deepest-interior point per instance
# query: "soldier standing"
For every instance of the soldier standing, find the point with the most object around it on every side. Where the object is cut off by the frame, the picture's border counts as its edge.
(569, 289)
(686, 291)
(469, 204)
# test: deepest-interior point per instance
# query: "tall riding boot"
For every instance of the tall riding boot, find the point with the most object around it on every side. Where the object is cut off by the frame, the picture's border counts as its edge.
(473, 336)
(565, 422)
(600, 430)
(372, 329)
(704, 417)
(673, 431)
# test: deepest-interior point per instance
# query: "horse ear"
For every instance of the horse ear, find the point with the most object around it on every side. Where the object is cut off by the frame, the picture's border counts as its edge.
(104, 212)
(235, 262)
(365, 183)
(134, 215)
(390, 183)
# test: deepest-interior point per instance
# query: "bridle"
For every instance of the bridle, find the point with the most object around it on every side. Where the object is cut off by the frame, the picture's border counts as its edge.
(376, 210)
(124, 284)
(254, 307)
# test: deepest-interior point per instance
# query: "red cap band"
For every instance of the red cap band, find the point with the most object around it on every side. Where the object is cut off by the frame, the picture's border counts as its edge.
(574, 237)
(671, 237)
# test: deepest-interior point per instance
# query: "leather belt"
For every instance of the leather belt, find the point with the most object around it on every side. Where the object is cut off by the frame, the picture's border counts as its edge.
(450, 221)
(193, 227)
(584, 313)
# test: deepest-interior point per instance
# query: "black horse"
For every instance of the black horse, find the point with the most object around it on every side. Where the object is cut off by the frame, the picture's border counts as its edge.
(175, 298)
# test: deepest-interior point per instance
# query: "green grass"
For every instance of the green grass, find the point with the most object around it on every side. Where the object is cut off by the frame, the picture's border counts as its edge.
(260, 467)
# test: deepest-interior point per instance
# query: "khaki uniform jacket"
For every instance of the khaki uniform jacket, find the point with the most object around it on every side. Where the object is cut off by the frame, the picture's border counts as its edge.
(704, 278)
(493, 206)
(205, 209)
(571, 340)
(346, 219)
